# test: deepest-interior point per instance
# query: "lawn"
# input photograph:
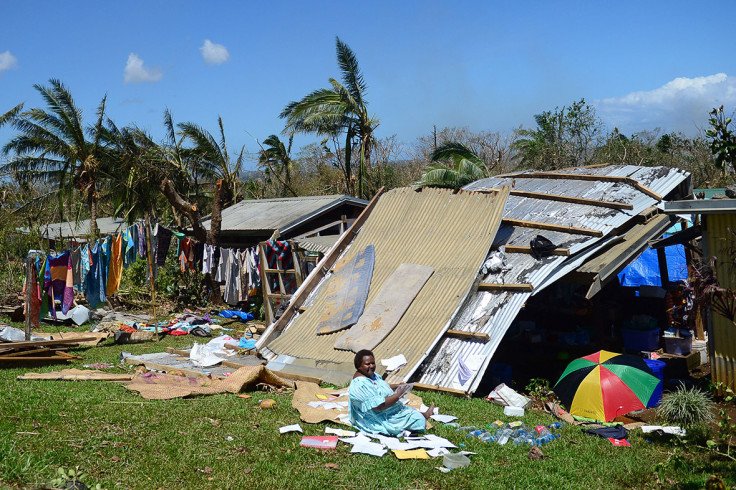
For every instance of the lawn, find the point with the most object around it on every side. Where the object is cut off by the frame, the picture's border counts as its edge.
(122, 440)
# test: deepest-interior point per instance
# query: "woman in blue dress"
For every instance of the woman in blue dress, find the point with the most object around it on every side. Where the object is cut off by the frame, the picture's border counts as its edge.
(374, 404)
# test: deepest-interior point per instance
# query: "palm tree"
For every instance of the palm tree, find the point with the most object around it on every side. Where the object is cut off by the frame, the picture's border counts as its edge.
(466, 167)
(52, 146)
(342, 108)
(277, 161)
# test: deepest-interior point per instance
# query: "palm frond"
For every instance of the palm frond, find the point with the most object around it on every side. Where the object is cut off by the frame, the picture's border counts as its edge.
(351, 75)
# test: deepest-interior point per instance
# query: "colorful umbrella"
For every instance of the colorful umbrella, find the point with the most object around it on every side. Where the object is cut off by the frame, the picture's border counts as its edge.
(604, 385)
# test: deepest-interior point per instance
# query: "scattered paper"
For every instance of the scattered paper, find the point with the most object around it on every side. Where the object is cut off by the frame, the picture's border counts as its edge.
(466, 453)
(394, 363)
(440, 441)
(357, 440)
(372, 448)
(290, 428)
(444, 419)
(411, 454)
(339, 432)
(424, 408)
(437, 452)
(392, 443)
(443, 469)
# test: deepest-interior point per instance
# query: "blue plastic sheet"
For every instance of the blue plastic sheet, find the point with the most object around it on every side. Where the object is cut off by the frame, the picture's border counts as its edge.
(644, 271)
(235, 313)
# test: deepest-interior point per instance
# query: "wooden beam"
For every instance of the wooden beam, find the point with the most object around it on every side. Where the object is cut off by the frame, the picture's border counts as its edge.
(599, 178)
(561, 198)
(317, 275)
(488, 286)
(513, 249)
(462, 334)
(435, 388)
(551, 227)
(282, 271)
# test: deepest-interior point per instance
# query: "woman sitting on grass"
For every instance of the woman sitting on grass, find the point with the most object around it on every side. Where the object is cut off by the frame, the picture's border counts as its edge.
(374, 404)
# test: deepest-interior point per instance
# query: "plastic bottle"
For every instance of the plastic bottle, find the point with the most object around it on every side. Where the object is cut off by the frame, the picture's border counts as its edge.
(487, 437)
(469, 428)
(497, 425)
(476, 433)
(524, 440)
(557, 425)
(541, 441)
(542, 430)
(454, 425)
(503, 436)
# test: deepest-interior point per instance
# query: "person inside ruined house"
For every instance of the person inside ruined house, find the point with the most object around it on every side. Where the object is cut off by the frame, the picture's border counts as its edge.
(375, 405)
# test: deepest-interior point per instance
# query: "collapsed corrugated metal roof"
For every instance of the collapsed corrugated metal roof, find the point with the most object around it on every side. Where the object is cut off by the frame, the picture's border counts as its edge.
(283, 214)
(581, 211)
(449, 232)
(491, 312)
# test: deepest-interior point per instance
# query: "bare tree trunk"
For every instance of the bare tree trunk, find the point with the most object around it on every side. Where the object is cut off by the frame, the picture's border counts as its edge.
(93, 229)
(187, 209)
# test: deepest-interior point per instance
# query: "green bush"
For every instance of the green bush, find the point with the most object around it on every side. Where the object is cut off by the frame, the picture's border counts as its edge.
(687, 407)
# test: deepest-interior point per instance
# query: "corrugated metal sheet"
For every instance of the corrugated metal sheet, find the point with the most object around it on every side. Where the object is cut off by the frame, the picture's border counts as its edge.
(719, 242)
(259, 215)
(80, 230)
(493, 312)
(450, 232)
(321, 244)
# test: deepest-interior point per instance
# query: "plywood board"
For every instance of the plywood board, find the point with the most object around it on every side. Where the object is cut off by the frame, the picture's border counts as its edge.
(347, 291)
(386, 310)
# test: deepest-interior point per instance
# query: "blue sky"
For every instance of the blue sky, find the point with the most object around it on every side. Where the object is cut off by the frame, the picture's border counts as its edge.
(486, 65)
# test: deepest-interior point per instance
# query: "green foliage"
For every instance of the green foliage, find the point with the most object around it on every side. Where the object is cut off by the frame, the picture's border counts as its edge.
(466, 167)
(687, 406)
(73, 478)
(722, 140)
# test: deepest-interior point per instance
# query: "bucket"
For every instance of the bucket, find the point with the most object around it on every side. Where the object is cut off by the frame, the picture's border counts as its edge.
(658, 368)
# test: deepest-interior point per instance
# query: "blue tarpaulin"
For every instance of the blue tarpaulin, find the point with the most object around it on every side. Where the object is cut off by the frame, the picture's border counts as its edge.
(644, 271)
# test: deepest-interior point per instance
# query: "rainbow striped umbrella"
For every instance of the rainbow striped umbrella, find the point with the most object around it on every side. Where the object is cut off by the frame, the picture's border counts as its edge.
(604, 385)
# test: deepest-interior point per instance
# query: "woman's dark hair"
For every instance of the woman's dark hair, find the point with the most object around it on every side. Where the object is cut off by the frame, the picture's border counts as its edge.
(360, 355)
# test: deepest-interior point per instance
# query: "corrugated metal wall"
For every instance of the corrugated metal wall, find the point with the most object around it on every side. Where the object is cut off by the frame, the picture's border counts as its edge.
(450, 232)
(720, 242)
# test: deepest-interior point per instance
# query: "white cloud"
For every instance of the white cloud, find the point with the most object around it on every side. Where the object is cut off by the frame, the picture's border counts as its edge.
(680, 105)
(213, 53)
(135, 72)
(7, 61)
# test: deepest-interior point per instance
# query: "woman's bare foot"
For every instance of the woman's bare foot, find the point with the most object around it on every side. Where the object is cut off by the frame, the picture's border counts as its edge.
(429, 411)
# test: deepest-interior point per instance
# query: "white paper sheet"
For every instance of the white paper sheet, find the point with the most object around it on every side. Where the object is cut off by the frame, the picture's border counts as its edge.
(440, 441)
(290, 428)
(359, 439)
(444, 419)
(372, 448)
(437, 452)
(394, 363)
(670, 429)
(339, 432)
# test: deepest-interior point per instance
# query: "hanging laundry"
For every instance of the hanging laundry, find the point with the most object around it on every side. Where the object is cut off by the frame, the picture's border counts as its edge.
(254, 271)
(85, 258)
(208, 258)
(42, 266)
(129, 247)
(77, 268)
(95, 286)
(280, 251)
(59, 282)
(233, 293)
(164, 242)
(186, 254)
(198, 254)
(141, 229)
(221, 270)
(115, 269)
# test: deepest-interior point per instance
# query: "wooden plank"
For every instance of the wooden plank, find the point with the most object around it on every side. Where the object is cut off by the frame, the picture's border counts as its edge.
(25, 352)
(561, 198)
(599, 178)
(40, 343)
(484, 337)
(178, 352)
(436, 388)
(551, 227)
(488, 286)
(514, 249)
(308, 286)
(275, 271)
(33, 359)
(387, 308)
(298, 377)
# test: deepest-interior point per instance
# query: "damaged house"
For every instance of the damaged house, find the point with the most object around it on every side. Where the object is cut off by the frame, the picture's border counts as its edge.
(415, 274)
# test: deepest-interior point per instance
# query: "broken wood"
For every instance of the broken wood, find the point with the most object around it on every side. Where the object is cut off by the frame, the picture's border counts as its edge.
(462, 334)
(514, 249)
(488, 286)
(551, 227)
(599, 178)
(436, 388)
(561, 198)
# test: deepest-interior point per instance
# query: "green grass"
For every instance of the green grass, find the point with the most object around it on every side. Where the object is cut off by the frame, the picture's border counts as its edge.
(122, 440)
